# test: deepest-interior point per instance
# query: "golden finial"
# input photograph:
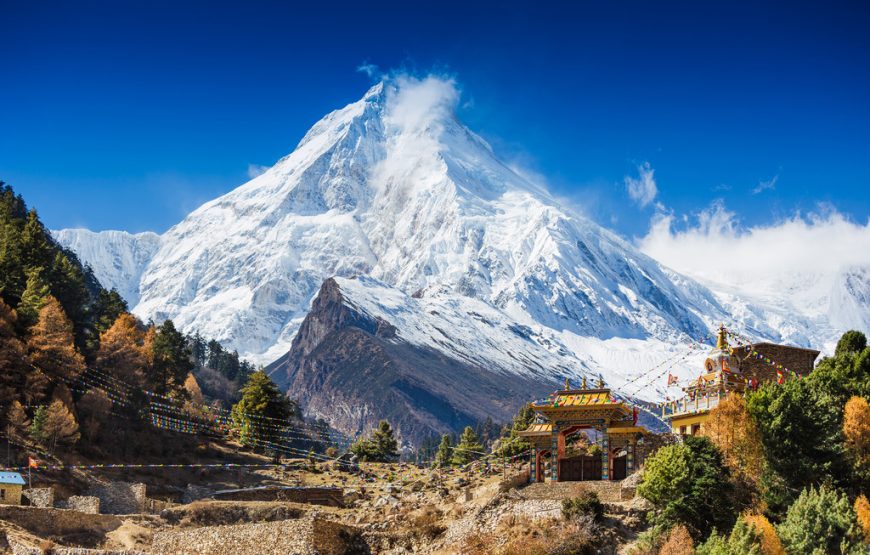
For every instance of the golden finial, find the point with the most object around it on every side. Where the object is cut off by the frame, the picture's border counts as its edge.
(567, 384)
(722, 341)
(584, 382)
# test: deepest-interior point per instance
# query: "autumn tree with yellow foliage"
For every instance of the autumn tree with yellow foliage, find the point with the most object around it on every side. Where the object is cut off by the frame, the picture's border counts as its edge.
(731, 428)
(856, 432)
(52, 344)
(122, 351)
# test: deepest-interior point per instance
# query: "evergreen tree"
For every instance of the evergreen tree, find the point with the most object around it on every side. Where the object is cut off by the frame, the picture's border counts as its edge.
(689, 483)
(107, 308)
(35, 295)
(468, 449)
(444, 455)
(13, 367)
(260, 411)
(851, 343)
(385, 443)
(512, 444)
(381, 446)
(37, 425)
(171, 363)
(821, 521)
(51, 344)
(122, 351)
(60, 426)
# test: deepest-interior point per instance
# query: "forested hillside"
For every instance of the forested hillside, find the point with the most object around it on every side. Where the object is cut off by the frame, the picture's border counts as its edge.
(81, 375)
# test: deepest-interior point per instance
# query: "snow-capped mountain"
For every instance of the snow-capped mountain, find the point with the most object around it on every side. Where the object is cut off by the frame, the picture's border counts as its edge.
(395, 188)
(117, 258)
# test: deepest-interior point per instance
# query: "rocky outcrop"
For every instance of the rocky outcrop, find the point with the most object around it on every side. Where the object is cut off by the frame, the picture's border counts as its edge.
(354, 369)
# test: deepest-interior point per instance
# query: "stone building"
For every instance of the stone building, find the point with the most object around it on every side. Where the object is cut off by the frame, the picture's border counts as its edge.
(734, 370)
(584, 434)
(11, 484)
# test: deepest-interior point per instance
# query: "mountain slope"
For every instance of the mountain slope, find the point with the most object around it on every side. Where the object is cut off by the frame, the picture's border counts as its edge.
(431, 365)
(394, 187)
(117, 258)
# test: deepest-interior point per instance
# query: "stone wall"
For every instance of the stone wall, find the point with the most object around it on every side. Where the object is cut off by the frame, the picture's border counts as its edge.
(82, 503)
(796, 359)
(120, 498)
(300, 537)
(40, 497)
(56, 522)
(18, 548)
(329, 496)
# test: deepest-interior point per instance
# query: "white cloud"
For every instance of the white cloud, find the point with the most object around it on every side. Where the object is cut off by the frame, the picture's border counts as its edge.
(642, 189)
(715, 247)
(765, 185)
(414, 103)
(256, 169)
(369, 69)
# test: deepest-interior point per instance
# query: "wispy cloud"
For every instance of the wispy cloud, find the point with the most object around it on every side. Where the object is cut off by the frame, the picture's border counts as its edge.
(369, 69)
(642, 189)
(765, 185)
(255, 170)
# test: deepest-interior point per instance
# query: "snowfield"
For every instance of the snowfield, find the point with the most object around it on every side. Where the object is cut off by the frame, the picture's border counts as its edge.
(449, 244)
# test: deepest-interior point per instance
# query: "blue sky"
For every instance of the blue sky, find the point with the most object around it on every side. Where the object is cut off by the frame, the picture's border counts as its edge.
(127, 115)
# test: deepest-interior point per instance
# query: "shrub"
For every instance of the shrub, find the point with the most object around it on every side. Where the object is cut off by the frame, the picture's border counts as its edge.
(678, 542)
(821, 521)
(688, 483)
(587, 504)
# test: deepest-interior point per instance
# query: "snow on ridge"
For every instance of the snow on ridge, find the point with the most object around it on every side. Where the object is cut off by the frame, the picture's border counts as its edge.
(117, 258)
(393, 188)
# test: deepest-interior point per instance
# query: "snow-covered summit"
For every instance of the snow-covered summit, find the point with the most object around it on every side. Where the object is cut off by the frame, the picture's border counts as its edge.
(396, 188)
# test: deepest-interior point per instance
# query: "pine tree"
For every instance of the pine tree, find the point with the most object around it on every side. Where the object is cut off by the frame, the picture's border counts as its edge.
(35, 296)
(821, 521)
(12, 356)
(121, 352)
(385, 443)
(468, 449)
(51, 344)
(107, 308)
(37, 425)
(380, 446)
(261, 409)
(512, 444)
(172, 361)
(60, 426)
(444, 455)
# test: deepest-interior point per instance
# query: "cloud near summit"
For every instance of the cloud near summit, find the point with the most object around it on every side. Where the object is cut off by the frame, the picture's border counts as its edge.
(716, 247)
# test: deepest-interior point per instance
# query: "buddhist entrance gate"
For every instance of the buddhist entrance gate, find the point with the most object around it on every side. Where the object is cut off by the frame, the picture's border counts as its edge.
(584, 434)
